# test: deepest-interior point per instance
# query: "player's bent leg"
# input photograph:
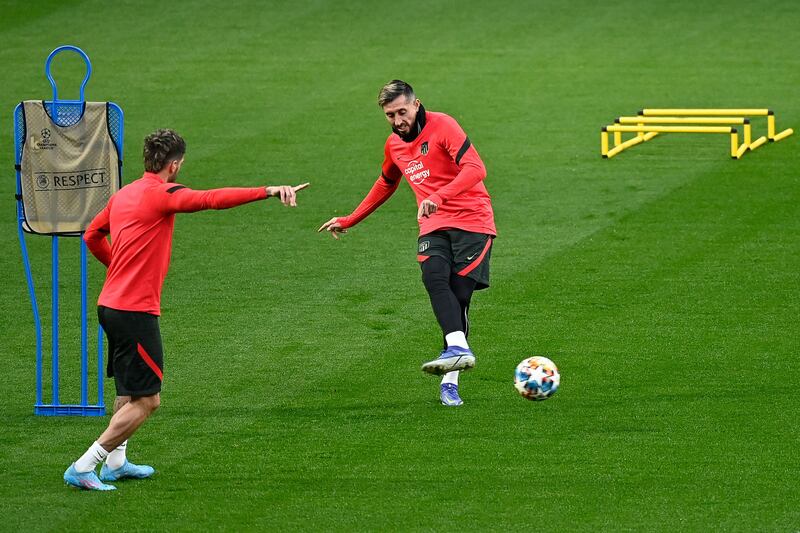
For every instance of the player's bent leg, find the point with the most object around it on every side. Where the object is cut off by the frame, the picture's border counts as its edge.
(436, 278)
(123, 424)
(436, 273)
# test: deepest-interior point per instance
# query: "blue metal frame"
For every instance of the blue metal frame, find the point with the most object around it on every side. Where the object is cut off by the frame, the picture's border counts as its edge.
(50, 77)
(116, 121)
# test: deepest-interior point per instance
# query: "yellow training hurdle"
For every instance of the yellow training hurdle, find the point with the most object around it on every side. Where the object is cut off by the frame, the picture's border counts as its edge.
(644, 129)
(745, 112)
(651, 122)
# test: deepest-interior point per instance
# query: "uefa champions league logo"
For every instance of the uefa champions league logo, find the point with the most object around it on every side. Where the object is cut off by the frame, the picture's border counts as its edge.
(45, 143)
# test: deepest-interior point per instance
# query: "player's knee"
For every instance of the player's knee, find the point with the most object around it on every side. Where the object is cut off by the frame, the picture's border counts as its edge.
(462, 288)
(463, 300)
(150, 403)
(462, 295)
(119, 401)
(436, 273)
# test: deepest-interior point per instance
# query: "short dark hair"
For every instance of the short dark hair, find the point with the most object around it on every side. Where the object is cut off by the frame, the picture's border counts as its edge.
(393, 89)
(161, 147)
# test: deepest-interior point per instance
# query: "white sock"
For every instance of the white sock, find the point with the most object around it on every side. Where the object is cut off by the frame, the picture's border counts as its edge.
(450, 377)
(457, 338)
(89, 460)
(116, 458)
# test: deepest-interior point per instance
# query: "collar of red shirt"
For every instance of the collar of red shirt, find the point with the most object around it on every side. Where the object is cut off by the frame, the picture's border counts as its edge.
(152, 176)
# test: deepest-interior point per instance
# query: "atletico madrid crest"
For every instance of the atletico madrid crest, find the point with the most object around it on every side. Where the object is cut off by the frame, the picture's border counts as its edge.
(424, 148)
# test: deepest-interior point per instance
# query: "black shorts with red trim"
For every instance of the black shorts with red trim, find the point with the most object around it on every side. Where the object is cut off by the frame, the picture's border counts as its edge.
(135, 355)
(467, 252)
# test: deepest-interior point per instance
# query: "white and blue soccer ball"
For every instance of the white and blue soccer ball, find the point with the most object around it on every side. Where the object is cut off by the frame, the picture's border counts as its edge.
(537, 378)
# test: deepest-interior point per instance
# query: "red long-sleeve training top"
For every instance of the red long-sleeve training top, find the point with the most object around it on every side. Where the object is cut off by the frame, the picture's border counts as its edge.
(140, 219)
(440, 165)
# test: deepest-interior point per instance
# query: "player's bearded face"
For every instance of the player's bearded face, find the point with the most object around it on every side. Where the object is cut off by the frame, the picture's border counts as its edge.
(402, 115)
(174, 169)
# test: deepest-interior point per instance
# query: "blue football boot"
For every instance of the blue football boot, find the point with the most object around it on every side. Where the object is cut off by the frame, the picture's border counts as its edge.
(453, 358)
(85, 480)
(127, 471)
(449, 395)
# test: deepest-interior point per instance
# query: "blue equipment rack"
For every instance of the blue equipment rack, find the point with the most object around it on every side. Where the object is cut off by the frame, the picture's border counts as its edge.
(64, 113)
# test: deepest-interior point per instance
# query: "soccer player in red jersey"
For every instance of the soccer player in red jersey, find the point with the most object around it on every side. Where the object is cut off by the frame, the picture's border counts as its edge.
(139, 219)
(454, 212)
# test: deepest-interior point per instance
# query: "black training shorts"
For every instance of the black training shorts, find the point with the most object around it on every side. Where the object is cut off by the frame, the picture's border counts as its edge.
(467, 252)
(135, 357)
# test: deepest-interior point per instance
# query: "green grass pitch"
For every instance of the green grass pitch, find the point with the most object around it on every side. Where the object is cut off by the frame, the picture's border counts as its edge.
(663, 282)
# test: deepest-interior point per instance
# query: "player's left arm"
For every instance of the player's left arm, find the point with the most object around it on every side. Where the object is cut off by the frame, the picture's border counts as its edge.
(471, 168)
(176, 198)
(96, 233)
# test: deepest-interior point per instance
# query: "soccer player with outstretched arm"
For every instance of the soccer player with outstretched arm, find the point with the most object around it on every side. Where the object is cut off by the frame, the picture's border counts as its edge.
(139, 219)
(454, 212)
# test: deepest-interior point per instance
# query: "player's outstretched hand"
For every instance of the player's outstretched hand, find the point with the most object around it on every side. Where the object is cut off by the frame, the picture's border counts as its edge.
(286, 193)
(426, 208)
(334, 227)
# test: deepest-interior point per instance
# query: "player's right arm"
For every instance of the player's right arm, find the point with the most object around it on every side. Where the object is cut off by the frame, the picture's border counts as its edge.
(381, 190)
(96, 233)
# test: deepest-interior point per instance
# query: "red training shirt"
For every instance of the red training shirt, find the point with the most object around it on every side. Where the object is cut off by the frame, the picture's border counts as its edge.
(140, 218)
(440, 165)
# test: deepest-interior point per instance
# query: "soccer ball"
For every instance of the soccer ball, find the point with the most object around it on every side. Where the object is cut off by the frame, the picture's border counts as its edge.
(536, 378)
